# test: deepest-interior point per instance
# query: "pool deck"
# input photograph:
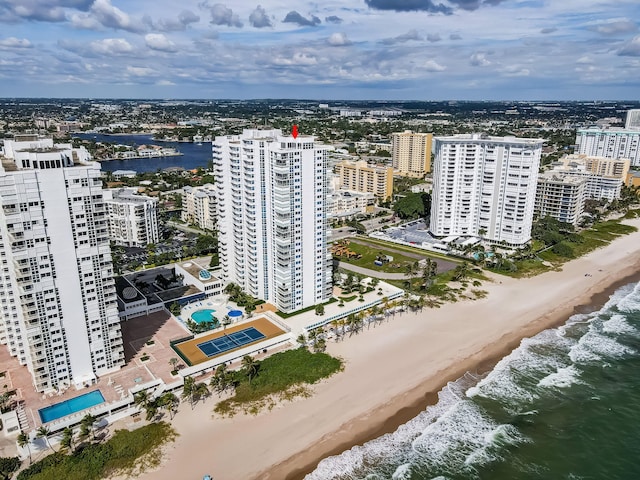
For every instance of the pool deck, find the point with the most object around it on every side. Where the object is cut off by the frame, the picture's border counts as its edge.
(191, 351)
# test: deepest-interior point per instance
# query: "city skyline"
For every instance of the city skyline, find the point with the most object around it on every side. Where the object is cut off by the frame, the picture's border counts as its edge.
(365, 49)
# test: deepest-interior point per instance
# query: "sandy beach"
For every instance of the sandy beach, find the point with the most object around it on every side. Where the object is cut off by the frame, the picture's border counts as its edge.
(391, 372)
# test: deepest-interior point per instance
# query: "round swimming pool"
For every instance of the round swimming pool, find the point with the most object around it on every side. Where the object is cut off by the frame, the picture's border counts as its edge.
(204, 315)
(235, 313)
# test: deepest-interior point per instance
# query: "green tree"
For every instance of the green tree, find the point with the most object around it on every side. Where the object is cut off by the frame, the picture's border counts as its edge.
(173, 361)
(188, 388)
(175, 309)
(413, 205)
(23, 441)
(170, 402)
(43, 432)
(251, 367)
(67, 439)
(8, 465)
(320, 309)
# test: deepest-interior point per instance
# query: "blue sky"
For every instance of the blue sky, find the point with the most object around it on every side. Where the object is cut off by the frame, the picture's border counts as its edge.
(334, 49)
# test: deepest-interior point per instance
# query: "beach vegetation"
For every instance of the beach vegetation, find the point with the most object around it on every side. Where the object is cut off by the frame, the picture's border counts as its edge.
(303, 310)
(8, 465)
(279, 376)
(126, 452)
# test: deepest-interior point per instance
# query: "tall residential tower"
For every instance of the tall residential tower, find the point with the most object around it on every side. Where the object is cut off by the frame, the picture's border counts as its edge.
(59, 315)
(272, 216)
(411, 153)
(485, 186)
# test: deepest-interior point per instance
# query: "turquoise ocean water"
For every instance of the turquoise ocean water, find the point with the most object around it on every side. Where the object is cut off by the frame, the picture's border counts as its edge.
(563, 405)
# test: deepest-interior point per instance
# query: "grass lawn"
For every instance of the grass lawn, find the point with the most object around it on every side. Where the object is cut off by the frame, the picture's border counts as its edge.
(125, 452)
(406, 248)
(369, 255)
(279, 374)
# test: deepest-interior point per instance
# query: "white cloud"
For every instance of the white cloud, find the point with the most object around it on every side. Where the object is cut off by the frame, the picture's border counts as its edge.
(433, 66)
(298, 58)
(479, 59)
(338, 39)
(140, 71)
(13, 42)
(157, 41)
(111, 46)
(112, 17)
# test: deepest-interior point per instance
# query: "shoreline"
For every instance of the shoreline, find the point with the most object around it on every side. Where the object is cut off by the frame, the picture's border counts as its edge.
(393, 371)
(420, 400)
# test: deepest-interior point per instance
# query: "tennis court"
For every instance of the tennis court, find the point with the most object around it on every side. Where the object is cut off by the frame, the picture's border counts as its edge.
(220, 342)
(231, 341)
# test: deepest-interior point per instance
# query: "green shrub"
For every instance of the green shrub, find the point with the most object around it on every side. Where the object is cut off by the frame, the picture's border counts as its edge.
(122, 453)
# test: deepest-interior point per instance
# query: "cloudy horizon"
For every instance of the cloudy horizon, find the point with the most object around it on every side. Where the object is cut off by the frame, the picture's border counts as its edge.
(338, 49)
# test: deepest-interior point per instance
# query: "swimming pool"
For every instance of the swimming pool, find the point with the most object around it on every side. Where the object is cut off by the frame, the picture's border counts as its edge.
(204, 315)
(70, 406)
(235, 313)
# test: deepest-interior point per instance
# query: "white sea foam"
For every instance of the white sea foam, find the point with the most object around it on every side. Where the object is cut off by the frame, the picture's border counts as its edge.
(511, 379)
(595, 347)
(457, 435)
(629, 302)
(563, 378)
(403, 472)
(618, 324)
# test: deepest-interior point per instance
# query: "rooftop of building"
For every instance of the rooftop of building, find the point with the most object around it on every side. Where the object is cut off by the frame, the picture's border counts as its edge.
(483, 137)
(195, 269)
(553, 176)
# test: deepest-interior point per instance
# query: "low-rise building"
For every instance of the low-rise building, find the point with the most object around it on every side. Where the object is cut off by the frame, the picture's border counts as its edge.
(347, 204)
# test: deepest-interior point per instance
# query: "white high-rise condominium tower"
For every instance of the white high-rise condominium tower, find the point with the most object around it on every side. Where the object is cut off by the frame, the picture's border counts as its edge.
(272, 216)
(633, 119)
(610, 143)
(485, 186)
(58, 306)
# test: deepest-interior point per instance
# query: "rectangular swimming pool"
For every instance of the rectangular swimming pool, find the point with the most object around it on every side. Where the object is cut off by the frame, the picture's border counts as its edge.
(234, 340)
(73, 405)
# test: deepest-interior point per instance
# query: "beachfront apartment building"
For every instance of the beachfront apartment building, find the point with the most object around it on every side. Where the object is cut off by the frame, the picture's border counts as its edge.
(610, 143)
(411, 153)
(361, 177)
(199, 206)
(58, 310)
(605, 176)
(133, 218)
(560, 196)
(272, 216)
(485, 186)
(633, 119)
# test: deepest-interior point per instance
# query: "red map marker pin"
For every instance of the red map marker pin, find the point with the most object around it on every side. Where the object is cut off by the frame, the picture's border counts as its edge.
(294, 131)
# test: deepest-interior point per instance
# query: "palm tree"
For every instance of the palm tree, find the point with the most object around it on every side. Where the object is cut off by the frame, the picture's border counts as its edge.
(23, 441)
(169, 401)
(251, 366)
(86, 425)
(188, 388)
(221, 379)
(142, 399)
(302, 340)
(67, 438)
(461, 272)
(200, 390)
(174, 363)
(43, 432)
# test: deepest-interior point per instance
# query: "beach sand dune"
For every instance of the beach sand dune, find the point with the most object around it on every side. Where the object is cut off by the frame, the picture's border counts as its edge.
(392, 371)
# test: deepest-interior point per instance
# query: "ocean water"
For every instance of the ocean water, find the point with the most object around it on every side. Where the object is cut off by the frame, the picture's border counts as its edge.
(564, 405)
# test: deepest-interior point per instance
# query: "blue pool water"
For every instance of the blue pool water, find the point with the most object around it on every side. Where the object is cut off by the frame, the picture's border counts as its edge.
(235, 313)
(204, 315)
(70, 406)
